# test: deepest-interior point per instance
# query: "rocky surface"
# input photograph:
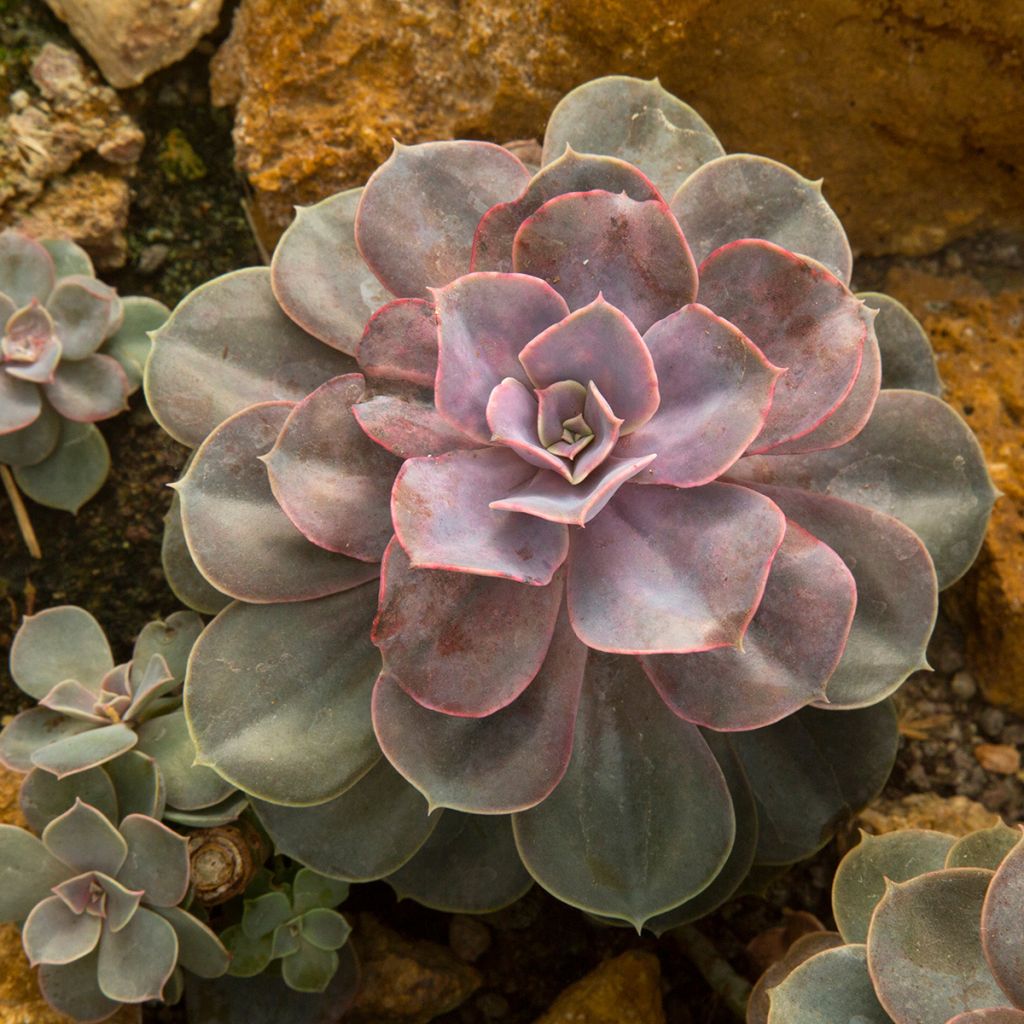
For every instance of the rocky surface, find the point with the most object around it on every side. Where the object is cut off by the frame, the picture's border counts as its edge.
(624, 990)
(66, 149)
(129, 39)
(879, 97)
(977, 330)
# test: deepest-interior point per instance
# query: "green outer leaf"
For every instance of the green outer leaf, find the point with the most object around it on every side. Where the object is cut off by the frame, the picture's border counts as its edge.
(28, 871)
(310, 969)
(803, 949)
(987, 848)
(57, 644)
(68, 257)
(157, 861)
(831, 986)
(811, 771)
(85, 749)
(924, 947)
(136, 962)
(311, 889)
(368, 832)
(227, 346)
(189, 786)
(210, 817)
(262, 675)
(285, 940)
(138, 784)
(860, 879)
(325, 929)
(907, 357)
(265, 914)
(86, 841)
(32, 730)
(172, 639)
(130, 345)
(73, 472)
(35, 442)
(249, 957)
(1002, 925)
(73, 989)
(43, 797)
(188, 584)
(469, 865)
(625, 834)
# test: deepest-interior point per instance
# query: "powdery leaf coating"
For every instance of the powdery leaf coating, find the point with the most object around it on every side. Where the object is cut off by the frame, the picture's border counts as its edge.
(367, 832)
(20, 404)
(135, 963)
(26, 268)
(157, 861)
(486, 320)
(72, 473)
(270, 560)
(744, 196)
(986, 848)
(400, 343)
(831, 986)
(636, 588)
(54, 934)
(81, 750)
(43, 797)
(571, 172)
(319, 277)
(860, 879)
(73, 989)
(907, 357)
(469, 865)
(85, 840)
(57, 644)
(620, 811)
(927, 982)
(81, 308)
(408, 427)
(435, 193)
(586, 244)
(31, 730)
(139, 785)
(1002, 925)
(507, 761)
(329, 478)
(32, 443)
(440, 508)
(715, 391)
(790, 648)
(313, 662)
(445, 636)
(28, 871)
(226, 346)
(637, 121)
(915, 460)
(801, 317)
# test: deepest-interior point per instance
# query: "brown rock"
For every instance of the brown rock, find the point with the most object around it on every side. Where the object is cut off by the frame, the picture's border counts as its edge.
(69, 118)
(1000, 758)
(625, 990)
(979, 343)
(406, 982)
(129, 39)
(880, 97)
(956, 815)
(20, 1001)
(772, 944)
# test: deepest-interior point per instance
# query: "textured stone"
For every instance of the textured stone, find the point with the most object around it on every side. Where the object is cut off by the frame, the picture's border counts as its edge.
(129, 39)
(979, 343)
(879, 97)
(45, 184)
(406, 982)
(625, 990)
(956, 815)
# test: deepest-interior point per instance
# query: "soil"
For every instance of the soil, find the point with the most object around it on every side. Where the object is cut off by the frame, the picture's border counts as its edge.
(188, 225)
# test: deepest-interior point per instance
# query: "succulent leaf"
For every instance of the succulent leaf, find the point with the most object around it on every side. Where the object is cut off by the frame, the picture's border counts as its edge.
(81, 308)
(369, 831)
(435, 192)
(184, 579)
(84, 840)
(508, 760)
(310, 968)
(226, 480)
(315, 663)
(172, 639)
(329, 478)
(861, 877)
(30, 444)
(32, 730)
(199, 949)
(157, 861)
(57, 644)
(408, 427)
(986, 848)
(601, 811)
(27, 270)
(138, 784)
(28, 871)
(907, 357)
(325, 929)
(43, 797)
(399, 343)
(80, 751)
(73, 989)
(265, 913)
(249, 956)
(72, 473)
(68, 257)
(744, 196)
(94, 388)
(136, 962)
(311, 889)
(803, 949)
(226, 346)
(130, 344)
(318, 276)
(1002, 925)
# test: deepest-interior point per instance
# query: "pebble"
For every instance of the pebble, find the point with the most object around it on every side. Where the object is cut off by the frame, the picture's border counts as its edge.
(963, 685)
(468, 938)
(992, 721)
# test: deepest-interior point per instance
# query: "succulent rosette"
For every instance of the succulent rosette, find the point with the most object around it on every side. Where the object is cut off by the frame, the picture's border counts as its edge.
(592, 497)
(930, 931)
(71, 352)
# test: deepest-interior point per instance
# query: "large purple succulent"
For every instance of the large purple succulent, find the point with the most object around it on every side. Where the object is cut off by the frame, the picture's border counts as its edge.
(71, 352)
(620, 506)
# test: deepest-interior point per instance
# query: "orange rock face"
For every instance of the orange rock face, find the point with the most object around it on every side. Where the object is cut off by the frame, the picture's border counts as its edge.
(910, 109)
(979, 343)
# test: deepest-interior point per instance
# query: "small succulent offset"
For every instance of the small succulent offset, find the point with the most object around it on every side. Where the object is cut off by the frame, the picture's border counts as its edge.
(931, 931)
(92, 713)
(101, 911)
(658, 507)
(294, 923)
(71, 353)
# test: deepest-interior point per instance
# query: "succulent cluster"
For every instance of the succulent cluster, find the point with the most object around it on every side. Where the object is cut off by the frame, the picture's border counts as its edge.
(101, 911)
(71, 353)
(589, 495)
(931, 931)
(100, 727)
(295, 923)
